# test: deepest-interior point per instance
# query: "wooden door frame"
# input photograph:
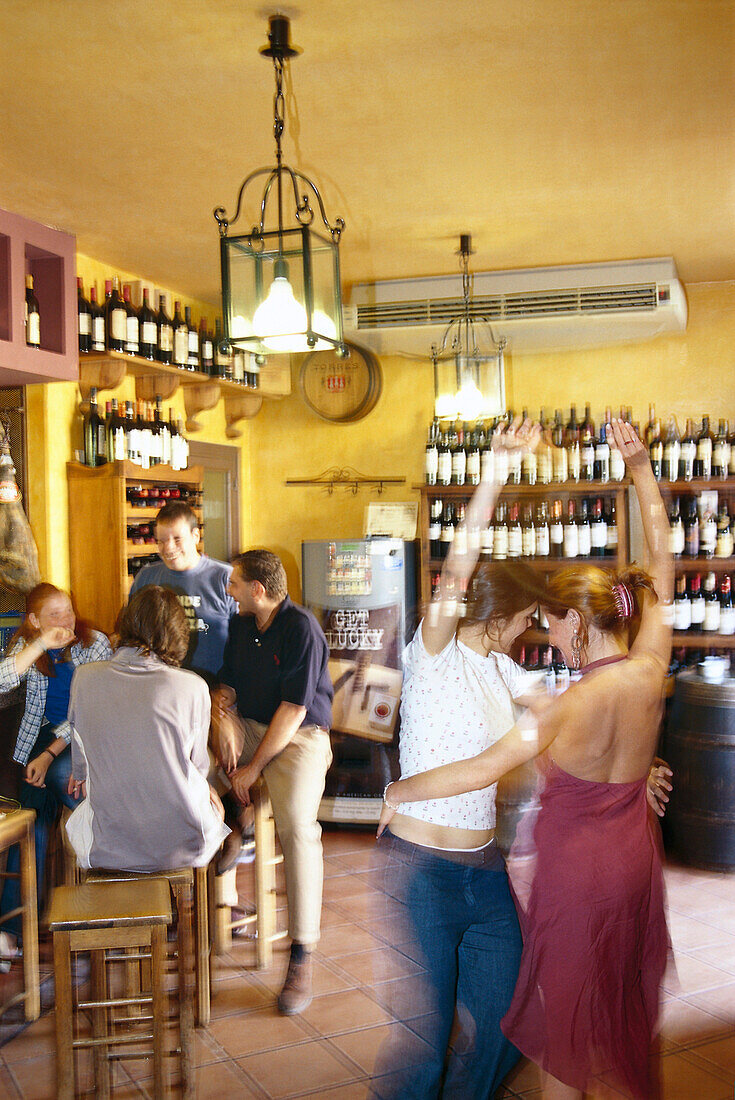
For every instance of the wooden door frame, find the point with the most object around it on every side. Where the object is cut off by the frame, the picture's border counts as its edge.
(217, 456)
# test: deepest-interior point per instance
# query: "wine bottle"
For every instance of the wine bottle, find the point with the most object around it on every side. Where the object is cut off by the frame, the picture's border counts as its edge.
(688, 452)
(515, 533)
(181, 338)
(446, 537)
(711, 621)
(571, 532)
(176, 448)
(721, 452)
(116, 318)
(132, 324)
(222, 352)
(431, 456)
(543, 543)
(705, 446)
(602, 457)
(724, 547)
(95, 437)
(672, 451)
(165, 333)
(117, 444)
(544, 464)
(487, 457)
(611, 549)
(707, 533)
(556, 530)
(143, 428)
(32, 316)
(571, 442)
(676, 529)
(461, 541)
(584, 531)
(444, 460)
(164, 432)
(84, 319)
(587, 446)
(500, 533)
(473, 458)
(528, 533)
(487, 537)
(193, 359)
(529, 467)
(206, 346)
(727, 610)
(559, 455)
(98, 321)
(691, 530)
(598, 530)
(459, 457)
(696, 598)
(131, 435)
(617, 463)
(682, 605)
(435, 527)
(147, 329)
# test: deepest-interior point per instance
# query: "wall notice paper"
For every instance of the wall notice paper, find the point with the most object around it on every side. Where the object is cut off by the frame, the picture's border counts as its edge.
(397, 520)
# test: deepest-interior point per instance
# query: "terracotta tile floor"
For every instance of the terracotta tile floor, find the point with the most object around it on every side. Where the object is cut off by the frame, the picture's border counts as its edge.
(248, 1051)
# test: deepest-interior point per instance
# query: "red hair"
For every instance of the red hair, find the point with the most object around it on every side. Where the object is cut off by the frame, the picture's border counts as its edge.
(35, 601)
(590, 590)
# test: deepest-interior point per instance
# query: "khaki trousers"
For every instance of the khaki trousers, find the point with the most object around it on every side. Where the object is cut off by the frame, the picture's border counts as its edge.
(295, 782)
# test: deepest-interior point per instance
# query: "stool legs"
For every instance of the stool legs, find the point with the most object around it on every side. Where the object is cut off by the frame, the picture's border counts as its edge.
(99, 1024)
(265, 877)
(183, 893)
(64, 1017)
(30, 923)
(160, 1011)
(202, 954)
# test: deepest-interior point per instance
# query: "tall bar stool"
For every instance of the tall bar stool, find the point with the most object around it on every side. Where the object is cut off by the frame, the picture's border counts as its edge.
(101, 917)
(17, 828)
(266, 861)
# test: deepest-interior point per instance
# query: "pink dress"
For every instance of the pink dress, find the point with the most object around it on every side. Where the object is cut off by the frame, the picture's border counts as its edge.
(595, 938)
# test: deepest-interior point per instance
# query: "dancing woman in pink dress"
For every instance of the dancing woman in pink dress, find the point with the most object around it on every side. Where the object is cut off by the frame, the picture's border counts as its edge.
(595, 939)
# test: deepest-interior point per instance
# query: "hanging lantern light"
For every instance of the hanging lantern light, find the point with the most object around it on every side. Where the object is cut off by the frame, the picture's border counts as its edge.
(281, 282)
(469, 382)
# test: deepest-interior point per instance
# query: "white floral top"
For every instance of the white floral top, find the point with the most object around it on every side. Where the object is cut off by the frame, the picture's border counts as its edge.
(454, 705)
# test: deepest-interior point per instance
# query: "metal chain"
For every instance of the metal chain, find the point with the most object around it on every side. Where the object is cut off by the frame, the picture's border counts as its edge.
(279, 114)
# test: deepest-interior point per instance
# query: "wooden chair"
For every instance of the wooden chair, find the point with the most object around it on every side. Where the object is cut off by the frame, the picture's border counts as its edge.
(264, 917)
(101, 917)
(17, 828)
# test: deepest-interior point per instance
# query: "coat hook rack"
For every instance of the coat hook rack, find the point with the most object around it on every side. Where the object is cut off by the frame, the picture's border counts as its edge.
(347, 477)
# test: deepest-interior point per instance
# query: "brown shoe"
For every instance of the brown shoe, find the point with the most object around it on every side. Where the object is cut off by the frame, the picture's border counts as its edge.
(296, 995)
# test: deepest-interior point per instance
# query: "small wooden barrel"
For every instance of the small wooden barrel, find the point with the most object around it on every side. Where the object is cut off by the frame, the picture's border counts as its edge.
(341, 390)
(699, 747)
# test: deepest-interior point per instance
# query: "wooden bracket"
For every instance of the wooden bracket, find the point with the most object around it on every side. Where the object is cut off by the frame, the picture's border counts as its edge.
(198, 398)
(240, 407)
(150, 386)
(99, 374)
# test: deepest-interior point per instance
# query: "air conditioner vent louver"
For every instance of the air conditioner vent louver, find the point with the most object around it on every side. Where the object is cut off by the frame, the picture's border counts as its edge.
(442, 311)
(534, 309)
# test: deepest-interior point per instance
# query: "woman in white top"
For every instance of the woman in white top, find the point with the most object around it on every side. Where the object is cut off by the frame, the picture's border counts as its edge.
(451, 908)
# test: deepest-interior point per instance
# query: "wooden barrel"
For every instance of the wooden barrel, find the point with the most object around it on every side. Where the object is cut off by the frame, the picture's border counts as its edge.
(699, 746)
(341, 390)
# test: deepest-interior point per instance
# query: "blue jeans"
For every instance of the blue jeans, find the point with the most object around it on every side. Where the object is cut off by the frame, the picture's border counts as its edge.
(45, 801)
(457, 921)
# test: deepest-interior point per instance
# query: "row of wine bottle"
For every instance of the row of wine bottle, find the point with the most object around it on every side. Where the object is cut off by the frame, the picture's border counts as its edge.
(558, 677)
(702, 605)
(141, 436)
(462, 454)
(700, 532)
(116, 325)
(585, 529)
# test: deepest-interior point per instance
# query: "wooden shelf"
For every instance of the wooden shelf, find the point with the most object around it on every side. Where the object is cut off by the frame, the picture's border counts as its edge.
(107, 371)
(686, 640)
(697, 485)
(545, 564)
(704, 565)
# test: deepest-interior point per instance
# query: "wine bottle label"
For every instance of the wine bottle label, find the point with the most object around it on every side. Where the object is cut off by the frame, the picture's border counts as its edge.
(704, 452)
(193, 342)
(501, 466)
(584, 536)
(697, 611)
(588, 461)
(560, 466)
(33, 331)
(612, 537)
(165, 338)
(544, 470)
(459, 467)
(574, 463)
(676, 538)
(98, 334)
(711, 619)
(181, 346)
(515, 542)
(85, 324)
(617, 465)
(720, 456)
(556, 534)
(119, 445)
(165, 444)
(487, 538)
(571, 540)
(500, 544)
(529, 469)
(148, 333)
(473, 467)
(682, 614)
(724, 548)
(529, 542)
(687, 455)
(118, 325)
(707, 536)
(598, 536)
(691, 541)
(431, 465)
(542, 542)
(727, 620)
(207, 349)
(672, 452)
(444, 468)
(435, 529)
(487, 465)
(460, 541)
(132, 330)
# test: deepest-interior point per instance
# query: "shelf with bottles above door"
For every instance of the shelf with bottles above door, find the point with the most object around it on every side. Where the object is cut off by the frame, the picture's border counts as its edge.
(162, 353)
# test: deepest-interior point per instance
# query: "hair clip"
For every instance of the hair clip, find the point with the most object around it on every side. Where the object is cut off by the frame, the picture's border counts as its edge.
(624, 601)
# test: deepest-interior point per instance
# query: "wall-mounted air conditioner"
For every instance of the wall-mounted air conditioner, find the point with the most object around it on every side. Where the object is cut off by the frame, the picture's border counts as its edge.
(537, 309)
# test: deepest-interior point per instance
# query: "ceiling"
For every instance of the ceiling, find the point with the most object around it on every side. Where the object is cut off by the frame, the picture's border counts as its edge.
(555, 131)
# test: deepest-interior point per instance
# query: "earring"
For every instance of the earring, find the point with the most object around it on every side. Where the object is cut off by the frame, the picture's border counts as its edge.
(576, 652)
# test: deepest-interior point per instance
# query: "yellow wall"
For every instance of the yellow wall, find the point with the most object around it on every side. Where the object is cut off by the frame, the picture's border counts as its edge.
(55, 432)
(687, 374)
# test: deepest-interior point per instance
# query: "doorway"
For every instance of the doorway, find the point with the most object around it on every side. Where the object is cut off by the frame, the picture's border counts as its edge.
(221, 509)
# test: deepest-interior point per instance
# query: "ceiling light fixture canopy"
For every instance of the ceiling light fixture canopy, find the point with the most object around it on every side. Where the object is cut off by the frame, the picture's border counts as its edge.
(281, 285)
(469, 381)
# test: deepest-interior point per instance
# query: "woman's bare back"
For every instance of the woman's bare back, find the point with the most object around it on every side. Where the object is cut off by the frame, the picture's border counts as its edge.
(608, 722)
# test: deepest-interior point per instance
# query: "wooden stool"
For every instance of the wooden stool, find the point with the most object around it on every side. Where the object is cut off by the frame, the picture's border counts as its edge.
(266, 861)
(72, 871)
(98, 917)
(17, 828)
(189, 888)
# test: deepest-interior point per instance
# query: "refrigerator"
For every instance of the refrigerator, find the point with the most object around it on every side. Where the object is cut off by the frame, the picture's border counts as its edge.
(363, 594)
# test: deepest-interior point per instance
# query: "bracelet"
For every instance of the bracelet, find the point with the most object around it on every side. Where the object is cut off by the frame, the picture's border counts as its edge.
(51, 754)
(391, 805)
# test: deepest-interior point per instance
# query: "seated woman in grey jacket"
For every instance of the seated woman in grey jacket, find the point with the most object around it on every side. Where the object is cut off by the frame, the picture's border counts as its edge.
(139, 748)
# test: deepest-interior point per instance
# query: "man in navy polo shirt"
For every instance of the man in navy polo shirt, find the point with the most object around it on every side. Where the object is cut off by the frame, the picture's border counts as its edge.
(275, 669)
